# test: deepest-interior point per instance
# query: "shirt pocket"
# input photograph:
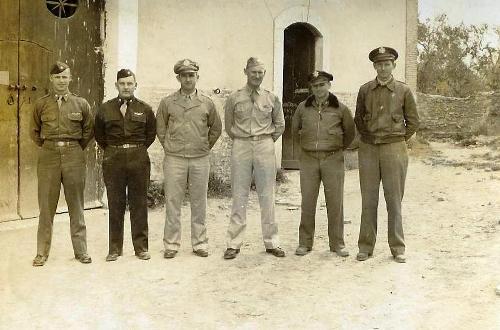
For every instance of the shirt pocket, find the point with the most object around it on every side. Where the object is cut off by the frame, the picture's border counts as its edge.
(75, 116)
(48, 116)
(138, 117)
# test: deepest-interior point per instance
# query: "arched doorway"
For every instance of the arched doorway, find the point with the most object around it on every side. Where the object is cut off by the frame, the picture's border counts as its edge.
(301, 42)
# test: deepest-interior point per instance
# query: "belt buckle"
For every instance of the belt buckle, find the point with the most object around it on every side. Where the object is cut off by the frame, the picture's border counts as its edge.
(60, 143)
(126, 145)
(254, 138)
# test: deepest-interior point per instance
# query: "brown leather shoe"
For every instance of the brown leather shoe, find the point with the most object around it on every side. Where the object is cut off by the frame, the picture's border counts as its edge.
(143, 255)
(201, 253)
(84, 258)
(277, 252)
(39, 260)
(112, 257)
(231, 253)
(169, 254)
(302, 251)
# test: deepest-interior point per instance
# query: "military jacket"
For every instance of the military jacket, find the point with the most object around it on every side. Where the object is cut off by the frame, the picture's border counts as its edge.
(72, 121)
(386, 113)
(188, 127)
(137, 127)
(323, 128)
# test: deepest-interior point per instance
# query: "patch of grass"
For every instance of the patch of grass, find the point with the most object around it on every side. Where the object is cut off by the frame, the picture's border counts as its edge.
(218, 187)
(156, 194)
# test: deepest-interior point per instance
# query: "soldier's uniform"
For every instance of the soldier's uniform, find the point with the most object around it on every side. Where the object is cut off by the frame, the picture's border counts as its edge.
(187, 127)
(126, 165)
(62, 125)
(254, 120)
(325, 131)
(386, 116)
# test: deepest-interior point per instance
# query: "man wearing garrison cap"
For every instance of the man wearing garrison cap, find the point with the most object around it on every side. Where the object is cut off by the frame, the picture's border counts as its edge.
(188, 126)
(326, 128)
(125, 127)
(62, 125)
(254, 121)
(386, 117)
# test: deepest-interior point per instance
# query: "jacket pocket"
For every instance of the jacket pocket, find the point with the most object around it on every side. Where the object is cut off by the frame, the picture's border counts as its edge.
(398, 125)
(139, 117)
(75, 116)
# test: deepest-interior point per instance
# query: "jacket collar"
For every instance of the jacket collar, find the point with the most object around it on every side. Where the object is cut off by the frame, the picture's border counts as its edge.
(332, 101)
(180, 100)
(391, 84)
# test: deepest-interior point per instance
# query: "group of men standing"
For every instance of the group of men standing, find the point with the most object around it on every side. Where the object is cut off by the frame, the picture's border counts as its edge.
(188, 125)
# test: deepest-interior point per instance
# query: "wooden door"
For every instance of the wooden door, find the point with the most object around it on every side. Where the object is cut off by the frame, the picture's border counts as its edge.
(299, 56)
(64, 30)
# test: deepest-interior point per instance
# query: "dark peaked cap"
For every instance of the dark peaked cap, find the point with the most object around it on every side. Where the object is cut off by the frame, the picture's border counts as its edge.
(383, 54)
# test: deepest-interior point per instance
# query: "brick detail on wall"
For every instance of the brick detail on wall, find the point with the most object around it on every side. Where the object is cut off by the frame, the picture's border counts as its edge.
(411, 43)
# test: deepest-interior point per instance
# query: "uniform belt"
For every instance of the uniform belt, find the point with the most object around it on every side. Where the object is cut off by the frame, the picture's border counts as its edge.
(126, 145)
(320, 154)
(61, 143)
(255, 137)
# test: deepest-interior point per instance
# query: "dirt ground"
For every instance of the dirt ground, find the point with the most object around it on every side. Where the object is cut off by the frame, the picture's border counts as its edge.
(452, 228)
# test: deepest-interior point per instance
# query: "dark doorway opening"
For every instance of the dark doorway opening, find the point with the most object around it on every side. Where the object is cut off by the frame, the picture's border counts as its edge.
(299, 61)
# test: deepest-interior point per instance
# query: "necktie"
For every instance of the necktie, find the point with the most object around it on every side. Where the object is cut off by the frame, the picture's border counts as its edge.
(123, 108)
(253, 95)
(59, 100)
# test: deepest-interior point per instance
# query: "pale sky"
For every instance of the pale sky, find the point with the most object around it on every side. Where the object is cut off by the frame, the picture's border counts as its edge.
(470, 12)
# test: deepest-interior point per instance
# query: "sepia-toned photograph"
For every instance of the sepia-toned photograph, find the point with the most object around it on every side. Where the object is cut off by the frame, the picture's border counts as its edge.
(250, 164)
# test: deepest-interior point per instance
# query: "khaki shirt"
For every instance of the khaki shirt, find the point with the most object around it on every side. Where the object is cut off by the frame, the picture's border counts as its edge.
(187, 127)
(73, 121)
(246, 118)
(386, 113)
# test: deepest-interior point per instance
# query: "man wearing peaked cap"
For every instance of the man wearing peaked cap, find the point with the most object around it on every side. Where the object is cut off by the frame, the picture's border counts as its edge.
(188, 126)
(254, 120)
(125, 127)
(325, 128)
(386, 117)
(62, 125)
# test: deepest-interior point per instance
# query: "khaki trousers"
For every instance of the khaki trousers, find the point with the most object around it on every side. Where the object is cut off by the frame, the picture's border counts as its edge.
(329, 168)
(255, 157)
(387, 163)
(179, 172)
(56, 165)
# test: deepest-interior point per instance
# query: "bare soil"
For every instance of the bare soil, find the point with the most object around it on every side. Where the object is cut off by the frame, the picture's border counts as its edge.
(452, 229)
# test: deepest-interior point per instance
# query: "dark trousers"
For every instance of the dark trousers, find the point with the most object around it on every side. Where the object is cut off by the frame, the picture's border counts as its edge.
(329, 168)
(387, 163)
(126, 175)
(56, 165)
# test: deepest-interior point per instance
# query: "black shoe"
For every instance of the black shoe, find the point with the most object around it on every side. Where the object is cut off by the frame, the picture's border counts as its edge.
(144, 255)
(169, 254)
(201, 253)
(231, 253)
(112, 257)
(362, 256)
(84, 258)
(277, 252)
(39, 260)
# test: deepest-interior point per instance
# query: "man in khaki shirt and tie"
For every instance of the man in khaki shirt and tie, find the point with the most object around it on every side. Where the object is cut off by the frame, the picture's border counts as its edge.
(254, 121)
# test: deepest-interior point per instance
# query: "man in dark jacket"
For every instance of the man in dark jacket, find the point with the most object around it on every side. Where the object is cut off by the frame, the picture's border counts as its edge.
(125, 127)
(326, 128)
(386, 117)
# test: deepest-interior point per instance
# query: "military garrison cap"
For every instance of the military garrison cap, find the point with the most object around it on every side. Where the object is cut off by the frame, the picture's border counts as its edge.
(124, 73)
(319, 75)
(186, 65)
(254, 61)
(383, 54)
(58, 67)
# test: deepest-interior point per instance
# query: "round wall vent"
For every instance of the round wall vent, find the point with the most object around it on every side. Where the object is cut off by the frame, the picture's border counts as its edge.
(62, 8)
